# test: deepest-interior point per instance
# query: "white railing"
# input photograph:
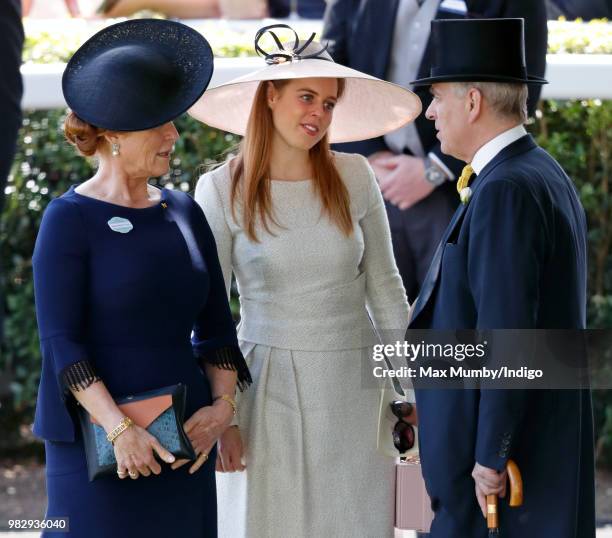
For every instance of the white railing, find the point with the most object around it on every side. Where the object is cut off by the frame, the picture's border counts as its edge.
(571, 76)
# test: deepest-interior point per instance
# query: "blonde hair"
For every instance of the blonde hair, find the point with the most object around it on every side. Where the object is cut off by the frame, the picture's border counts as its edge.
(251, 175)
(85, 137)
(508, 99)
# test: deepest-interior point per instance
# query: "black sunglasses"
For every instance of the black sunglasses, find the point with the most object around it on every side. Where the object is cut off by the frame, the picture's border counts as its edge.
(401, 409)
(403, 433)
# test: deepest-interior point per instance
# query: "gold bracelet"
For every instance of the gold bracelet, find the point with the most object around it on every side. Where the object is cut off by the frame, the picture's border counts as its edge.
(227, 398)
(125, 423)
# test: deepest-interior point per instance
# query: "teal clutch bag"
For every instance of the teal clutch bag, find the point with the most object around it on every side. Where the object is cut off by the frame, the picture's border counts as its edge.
(160, 412)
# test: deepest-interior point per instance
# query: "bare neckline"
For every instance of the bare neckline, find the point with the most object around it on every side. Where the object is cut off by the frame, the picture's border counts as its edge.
(93, 199)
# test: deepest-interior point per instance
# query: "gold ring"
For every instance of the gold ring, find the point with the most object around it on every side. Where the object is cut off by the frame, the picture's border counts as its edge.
(133, 474)
(121, 473)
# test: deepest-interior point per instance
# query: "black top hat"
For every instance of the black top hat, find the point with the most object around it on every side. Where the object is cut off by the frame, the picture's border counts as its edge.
(479, 50)
(137, 74)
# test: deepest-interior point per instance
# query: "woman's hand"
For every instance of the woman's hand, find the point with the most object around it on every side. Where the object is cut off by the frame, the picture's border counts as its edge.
(207, 424)
(230, 451)
(203, 428)
(134, 453)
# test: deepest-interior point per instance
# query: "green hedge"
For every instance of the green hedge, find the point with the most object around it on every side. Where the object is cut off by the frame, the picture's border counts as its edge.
(576, 133)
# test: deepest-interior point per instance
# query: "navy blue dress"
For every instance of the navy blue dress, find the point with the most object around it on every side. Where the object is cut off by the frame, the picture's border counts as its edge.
(123, 300)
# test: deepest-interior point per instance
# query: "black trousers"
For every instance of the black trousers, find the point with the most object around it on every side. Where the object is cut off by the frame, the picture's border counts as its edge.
(416, 232)
(11, 90)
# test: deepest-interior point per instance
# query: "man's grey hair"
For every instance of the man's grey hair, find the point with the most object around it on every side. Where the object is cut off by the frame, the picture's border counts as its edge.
(506, 99)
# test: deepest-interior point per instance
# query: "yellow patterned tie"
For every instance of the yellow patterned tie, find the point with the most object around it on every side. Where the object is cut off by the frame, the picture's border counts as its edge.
(464, 180)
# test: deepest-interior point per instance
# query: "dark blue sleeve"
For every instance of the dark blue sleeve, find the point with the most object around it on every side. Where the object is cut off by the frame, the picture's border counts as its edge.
(214, 336)
(507, 249)
(336, 29)
(60, 284)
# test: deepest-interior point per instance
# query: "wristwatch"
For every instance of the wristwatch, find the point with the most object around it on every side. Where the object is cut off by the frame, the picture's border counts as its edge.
(433, 173)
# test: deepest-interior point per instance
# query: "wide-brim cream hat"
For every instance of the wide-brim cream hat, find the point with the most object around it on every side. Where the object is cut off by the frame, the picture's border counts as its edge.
(369, 106)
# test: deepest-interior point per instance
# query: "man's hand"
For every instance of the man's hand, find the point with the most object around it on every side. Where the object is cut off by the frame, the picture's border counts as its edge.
(380, 171)
(488, 482)
(401, 178)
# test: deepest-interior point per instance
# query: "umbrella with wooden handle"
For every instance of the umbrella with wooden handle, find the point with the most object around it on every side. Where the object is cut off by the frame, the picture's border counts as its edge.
(516, 497)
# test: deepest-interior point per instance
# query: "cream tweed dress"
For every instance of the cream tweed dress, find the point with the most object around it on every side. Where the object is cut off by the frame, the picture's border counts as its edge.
(312, 302)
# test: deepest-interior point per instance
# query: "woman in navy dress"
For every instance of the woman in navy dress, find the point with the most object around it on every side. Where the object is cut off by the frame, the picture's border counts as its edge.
(115, 265)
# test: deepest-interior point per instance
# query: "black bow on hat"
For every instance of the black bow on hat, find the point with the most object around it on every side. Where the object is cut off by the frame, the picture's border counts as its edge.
(282, 54)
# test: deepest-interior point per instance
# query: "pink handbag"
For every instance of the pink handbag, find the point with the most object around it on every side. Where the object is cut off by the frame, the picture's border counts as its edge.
(412, 503)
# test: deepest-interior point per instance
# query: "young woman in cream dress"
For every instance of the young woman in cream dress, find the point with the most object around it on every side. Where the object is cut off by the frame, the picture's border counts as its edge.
(305, 232)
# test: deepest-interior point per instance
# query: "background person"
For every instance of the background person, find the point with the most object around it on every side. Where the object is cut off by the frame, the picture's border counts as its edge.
(71, 5)
(417, 180)
(231, 9)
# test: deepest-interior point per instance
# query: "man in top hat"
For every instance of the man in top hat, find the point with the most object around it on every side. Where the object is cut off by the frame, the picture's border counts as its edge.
(391, 40)
(513, 257)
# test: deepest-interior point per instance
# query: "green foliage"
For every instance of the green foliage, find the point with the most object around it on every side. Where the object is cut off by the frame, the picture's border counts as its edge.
(578, 135)
(577, 37)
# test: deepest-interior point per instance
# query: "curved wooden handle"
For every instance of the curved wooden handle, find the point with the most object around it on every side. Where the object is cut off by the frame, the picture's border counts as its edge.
(516, 495)
(516, 483)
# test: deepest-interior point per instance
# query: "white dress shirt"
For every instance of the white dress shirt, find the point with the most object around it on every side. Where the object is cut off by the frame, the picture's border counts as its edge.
(410, 36)
(487, 152)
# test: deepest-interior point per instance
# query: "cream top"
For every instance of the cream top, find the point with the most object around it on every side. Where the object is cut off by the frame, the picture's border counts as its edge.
(308, 286)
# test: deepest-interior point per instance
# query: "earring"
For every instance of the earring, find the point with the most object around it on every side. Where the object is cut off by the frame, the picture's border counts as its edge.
(115, 149)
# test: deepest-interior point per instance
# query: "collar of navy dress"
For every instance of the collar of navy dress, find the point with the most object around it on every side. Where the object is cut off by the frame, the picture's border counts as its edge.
(162, 203)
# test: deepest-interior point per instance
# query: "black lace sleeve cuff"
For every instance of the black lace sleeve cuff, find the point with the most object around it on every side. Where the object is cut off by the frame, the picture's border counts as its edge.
(79, 376)
(229, 358)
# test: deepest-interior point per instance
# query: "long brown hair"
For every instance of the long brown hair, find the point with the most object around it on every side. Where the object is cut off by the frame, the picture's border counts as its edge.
(251, 175)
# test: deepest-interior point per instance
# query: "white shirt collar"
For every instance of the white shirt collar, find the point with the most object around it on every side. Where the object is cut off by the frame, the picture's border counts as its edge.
(487, 152)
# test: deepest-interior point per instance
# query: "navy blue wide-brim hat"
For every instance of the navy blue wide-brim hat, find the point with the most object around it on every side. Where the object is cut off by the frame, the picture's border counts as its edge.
(137, 74)
(479, 50)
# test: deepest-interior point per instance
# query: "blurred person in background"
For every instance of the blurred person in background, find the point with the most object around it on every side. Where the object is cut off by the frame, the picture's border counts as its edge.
(417, 180)
(71, 5)
(11, 90)
(202, 9)
(231, 9)
(579, 9)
